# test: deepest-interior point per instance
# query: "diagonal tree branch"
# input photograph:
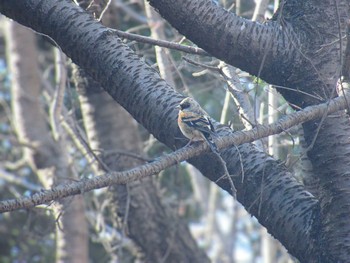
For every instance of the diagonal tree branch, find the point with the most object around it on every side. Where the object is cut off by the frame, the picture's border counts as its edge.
(251, 46)
(238, 138)
(161, 43)
(268, 191)
(305, 54)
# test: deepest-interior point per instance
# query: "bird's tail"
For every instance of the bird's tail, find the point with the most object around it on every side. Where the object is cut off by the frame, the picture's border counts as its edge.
(211, 143)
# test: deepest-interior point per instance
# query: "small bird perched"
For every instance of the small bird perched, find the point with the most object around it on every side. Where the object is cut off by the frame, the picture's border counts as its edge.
(194, 123)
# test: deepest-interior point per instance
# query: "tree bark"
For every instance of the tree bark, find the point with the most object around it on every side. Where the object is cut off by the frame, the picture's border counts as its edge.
(303, 46)
(149, 223)
(45, 156)
(270, 193)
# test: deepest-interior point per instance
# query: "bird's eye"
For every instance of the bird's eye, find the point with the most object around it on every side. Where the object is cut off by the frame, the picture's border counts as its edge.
(184, 105)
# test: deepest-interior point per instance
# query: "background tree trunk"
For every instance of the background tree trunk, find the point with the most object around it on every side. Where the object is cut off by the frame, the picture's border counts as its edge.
(160, 234)
(45, 156)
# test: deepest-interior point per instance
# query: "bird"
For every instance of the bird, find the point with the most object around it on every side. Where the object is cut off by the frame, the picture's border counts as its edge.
(195, 123)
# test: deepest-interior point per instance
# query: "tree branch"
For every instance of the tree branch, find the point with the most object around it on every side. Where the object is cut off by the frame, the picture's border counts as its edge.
(230, 38)
(268, 191)
(161, 43)
(239, 137)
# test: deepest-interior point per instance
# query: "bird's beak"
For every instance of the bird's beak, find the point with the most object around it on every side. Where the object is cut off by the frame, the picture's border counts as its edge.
(178, 107)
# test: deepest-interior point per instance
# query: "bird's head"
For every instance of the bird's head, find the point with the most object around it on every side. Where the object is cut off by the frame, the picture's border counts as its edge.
(187, 104)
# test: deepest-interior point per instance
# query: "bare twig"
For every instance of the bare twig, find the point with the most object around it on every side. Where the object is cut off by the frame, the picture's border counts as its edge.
(57, 103)
(104, 10)
(227, 175)
(161, 43)
(238, 94)
(213, 68)
(237, 138)
(129, 154)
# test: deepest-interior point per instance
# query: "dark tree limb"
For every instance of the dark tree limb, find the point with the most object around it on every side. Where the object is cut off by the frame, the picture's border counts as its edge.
(269, 192)
(307, 55)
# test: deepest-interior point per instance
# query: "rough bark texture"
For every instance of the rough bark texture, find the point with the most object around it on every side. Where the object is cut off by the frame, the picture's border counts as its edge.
(43, 154)
(305, 55)
(138, 204)
(281, 52)
(155, 229)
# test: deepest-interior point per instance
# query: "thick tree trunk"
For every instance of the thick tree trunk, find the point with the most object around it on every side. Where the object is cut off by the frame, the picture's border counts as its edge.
(162, 235)
(304, 49)
(45, 156)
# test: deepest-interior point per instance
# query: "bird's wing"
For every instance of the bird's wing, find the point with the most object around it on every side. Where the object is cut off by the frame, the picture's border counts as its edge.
(201, 123)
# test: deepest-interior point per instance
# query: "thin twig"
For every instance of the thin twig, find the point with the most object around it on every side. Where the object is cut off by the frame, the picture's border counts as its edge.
(160, 43)
(227, 175)
(57, 103)
(126, 153)
(104, 10)
(236, 138)
(213, 68)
